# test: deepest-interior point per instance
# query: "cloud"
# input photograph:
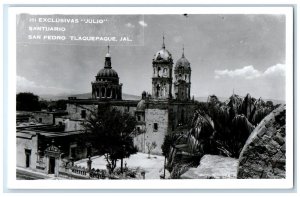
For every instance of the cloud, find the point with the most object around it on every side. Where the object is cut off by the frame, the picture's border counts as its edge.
(25, 85)
(142, 23)
(129, 25)
(276, 70)
(249, 72)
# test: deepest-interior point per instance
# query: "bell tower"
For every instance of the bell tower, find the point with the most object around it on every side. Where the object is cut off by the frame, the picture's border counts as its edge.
(182, 84)
(162, 64)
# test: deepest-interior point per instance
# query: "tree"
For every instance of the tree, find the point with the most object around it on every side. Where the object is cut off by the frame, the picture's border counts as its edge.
(110, 131)
(150, 147)
(27, 101)
(60, 104)
(166, 147)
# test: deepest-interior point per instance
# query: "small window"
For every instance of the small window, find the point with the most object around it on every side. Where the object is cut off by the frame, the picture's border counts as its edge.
(83, 114)
(139, 118)
(40, 120)
(138, 128)
(155, 127)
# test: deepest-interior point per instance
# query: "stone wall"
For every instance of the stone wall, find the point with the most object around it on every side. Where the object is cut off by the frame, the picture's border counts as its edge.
(124, 108)
(160, 117)
(181, 114)
(42, 117)
(213, 167)
(75, 110)
(263, 155)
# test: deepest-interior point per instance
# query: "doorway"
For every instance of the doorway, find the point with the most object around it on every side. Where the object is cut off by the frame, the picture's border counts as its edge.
(27, 155)
(51, 165)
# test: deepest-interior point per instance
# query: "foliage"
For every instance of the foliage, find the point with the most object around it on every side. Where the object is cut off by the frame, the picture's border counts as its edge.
(129, 172)
(180, 169)
(57, 105)
(53, 105)
(109, 131)
(150, 147)
(166, 146)
(231, 123)
(27, 101)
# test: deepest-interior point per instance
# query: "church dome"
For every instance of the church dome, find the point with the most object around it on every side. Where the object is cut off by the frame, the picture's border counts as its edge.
(182, 62)
(163, 54)
(141, 106)
(107, 72)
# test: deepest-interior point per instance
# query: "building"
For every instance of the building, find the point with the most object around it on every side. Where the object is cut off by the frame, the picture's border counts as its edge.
(42, 147)
(157, 114)
(48, 141)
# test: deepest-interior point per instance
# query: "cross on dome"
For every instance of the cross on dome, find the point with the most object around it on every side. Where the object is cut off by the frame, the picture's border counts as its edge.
(163, 45)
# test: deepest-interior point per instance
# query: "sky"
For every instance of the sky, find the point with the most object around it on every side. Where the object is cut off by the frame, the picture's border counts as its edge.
(228, 53)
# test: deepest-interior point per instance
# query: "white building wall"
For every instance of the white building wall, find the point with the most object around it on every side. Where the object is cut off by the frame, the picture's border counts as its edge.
(159, 116)
(29, 144)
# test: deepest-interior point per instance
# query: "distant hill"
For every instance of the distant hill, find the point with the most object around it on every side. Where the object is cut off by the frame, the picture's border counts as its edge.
(83, 96)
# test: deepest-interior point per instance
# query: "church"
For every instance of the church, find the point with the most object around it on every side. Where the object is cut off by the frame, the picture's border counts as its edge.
(157, 114)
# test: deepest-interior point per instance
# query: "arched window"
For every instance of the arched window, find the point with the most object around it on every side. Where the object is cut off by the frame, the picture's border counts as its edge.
(113, 93)
(103, 92)
(108, 92)
(158, 71)
(157, 90)
(165, 71)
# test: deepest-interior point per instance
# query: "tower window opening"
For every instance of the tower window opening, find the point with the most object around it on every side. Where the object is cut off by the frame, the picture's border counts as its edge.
(155, 127)
(83, 114)
(165, 72)
(157, 90)
(158, 71)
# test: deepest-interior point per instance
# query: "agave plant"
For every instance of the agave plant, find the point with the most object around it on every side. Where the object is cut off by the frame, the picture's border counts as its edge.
(219, 128)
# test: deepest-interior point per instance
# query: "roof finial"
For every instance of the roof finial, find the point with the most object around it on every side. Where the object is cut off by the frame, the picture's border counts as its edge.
(163, 45)
(108, 48)
(183, 50)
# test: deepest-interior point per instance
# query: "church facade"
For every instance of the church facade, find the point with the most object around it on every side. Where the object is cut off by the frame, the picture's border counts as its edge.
(157, 114)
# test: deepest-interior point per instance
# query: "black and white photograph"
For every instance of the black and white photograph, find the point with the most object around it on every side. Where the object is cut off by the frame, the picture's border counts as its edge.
(152, 96)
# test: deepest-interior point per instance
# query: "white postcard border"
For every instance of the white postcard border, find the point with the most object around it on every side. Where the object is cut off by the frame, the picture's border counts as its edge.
(12, 183)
